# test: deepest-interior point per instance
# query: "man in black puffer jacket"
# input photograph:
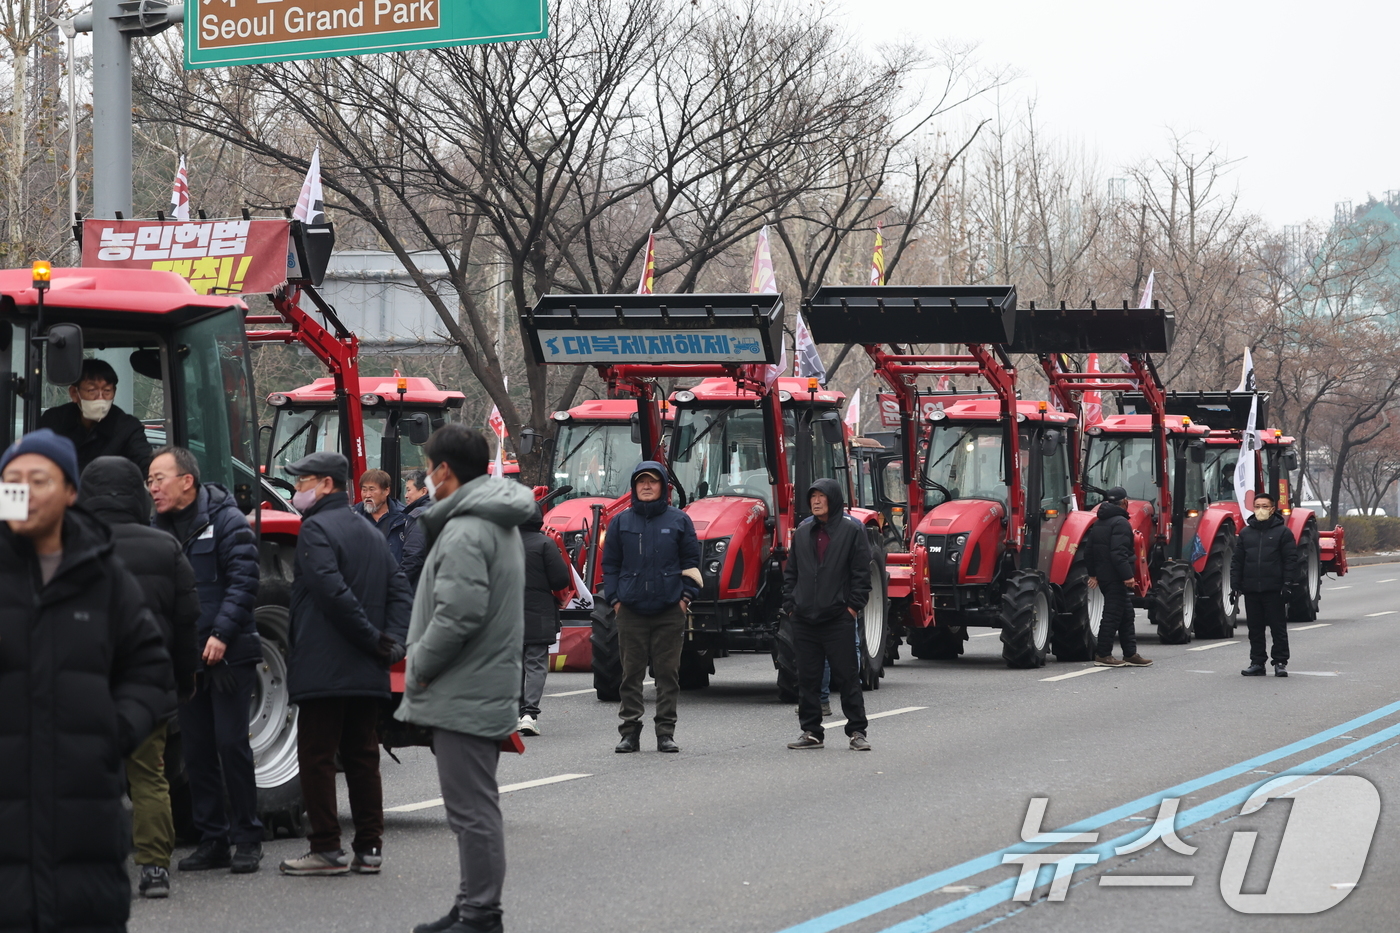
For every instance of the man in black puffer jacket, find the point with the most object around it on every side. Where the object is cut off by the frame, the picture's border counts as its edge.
(84, 679)
(350, 608)
(1109, 561)
(1265, 569)
(114, 490)
(825, 586)
(545, 572)
(221, 548)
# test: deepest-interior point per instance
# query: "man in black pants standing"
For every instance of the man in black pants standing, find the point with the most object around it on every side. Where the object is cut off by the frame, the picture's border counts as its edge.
(1264, 569)
(1109, 561)
(825, 586)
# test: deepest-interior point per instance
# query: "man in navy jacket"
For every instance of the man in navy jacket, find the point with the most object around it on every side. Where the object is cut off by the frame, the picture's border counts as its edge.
(651, 572)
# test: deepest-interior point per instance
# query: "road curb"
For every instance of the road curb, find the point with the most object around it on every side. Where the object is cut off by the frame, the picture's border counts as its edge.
(1372, 559)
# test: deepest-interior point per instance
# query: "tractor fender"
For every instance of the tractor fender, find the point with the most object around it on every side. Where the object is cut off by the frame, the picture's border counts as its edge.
(1072, 533)
(275, 522)
(921, 599)
(1297, 520)
(1143, 576)
(1211, 522)
(867, 517)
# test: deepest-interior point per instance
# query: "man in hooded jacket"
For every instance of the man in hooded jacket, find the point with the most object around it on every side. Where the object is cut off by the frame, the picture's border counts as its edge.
(463, 674)
(545, 572)
(1265, 569)
(114, 490)
(825, 586)
(84, 679)
(651, 572)
(1109, 561)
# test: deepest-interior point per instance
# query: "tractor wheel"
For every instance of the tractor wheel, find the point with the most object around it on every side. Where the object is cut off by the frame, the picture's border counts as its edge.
(696, 667)
(1171, 606)
(607, 656)
(272, 728)
(873, 622)
(1025, 620)
(1305, 602)
(785, 660)
(1214, 616)
(1076, 634)
(938, 642)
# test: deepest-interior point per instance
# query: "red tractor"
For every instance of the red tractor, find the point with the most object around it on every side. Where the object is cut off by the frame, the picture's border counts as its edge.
(1227, 414)
(741, 443)
(995, 521)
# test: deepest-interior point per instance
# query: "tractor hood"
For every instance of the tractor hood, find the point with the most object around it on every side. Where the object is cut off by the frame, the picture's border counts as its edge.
(962, 541)
(572, 514)
(960, 516)
(725, 516)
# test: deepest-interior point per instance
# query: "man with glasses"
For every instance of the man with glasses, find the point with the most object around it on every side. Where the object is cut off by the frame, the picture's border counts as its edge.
(96, 426)
(214, 723)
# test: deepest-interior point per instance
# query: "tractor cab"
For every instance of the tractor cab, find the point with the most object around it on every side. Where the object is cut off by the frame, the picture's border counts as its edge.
(398, 414)
(181, 361)
(878, 478)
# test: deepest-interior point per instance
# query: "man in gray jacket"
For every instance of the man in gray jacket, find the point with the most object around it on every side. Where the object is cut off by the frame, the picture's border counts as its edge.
(463, 673)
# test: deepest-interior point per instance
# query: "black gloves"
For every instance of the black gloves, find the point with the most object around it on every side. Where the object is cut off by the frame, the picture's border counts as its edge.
(221, 677)
(390, 650)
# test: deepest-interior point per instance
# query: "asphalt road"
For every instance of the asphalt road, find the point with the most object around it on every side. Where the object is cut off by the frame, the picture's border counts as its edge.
(737, 833)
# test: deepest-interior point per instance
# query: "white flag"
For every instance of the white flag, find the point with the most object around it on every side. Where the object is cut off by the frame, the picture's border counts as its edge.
(853, 412)
(1146, 301)
(584, 599)
(1244, 468)
(180, 194)
(311, 208)
(763, 281)
(1247, 376)
(498, 427)
(809, 361)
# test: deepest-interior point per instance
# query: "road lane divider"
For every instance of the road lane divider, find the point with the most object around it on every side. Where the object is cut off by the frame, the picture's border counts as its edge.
(1218, 644)
(1079, 673)
(1304, 628)
(1387, 612)
(570, 693)
(928, 884)
(504, 789)
(888, 712)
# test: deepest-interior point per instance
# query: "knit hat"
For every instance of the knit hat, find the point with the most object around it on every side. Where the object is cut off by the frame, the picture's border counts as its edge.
(46, 443)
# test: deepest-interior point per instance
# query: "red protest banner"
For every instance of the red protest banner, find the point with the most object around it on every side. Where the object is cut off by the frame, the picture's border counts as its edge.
(227, 257)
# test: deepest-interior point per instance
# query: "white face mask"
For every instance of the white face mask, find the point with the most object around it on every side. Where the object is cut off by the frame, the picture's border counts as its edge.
(95, 409)
(431, 486)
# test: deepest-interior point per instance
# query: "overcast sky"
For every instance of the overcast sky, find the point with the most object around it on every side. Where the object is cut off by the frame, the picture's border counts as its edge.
(1303, 94)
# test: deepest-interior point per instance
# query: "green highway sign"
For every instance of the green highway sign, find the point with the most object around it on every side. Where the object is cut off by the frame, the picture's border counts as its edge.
(249, 32)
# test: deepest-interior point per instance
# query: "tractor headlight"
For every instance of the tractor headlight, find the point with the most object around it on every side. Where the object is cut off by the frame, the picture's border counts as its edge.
(685, 395)
(712, 567)
(954, 557)
(921, 540)
(720, 545)
(561, 416)
(960, 540)
(277, 399)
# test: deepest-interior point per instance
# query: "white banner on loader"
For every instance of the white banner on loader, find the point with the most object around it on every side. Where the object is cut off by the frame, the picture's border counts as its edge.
(584, 599)
(1244, 468)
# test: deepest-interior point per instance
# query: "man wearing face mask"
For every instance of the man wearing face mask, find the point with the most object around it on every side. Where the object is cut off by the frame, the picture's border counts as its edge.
(350, 607)
(96, 426)
(1265, 569)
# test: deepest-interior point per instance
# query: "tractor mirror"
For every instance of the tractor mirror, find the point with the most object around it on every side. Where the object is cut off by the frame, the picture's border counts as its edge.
(420, 427)
(1198, 452)
(831, 427)
(1290, 460)
(63, 354)
(528, 438)
(635, 424)
(1050, 443)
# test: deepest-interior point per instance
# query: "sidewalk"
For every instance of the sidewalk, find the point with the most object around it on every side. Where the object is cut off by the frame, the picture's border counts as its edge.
(1384, 557)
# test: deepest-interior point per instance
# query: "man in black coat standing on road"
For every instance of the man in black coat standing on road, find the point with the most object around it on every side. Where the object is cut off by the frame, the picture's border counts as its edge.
(350, 608)
(545, 572)
(221, 548)
(1265, 570)
(1109, 561)
(415, 542)
(84, 679)
(825, 586)
(114, 491)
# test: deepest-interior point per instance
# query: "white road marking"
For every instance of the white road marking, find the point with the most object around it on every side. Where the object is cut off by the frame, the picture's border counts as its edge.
(570, 693)
(1218, 644)
(1388, 580)
(1315, 673)
(505, 789)
(1147, 881)
(1331, 588)
(888, 712)
(1200, 672)
(1087, 670)
(1304, 628)
(986, 634)
(1388, 612)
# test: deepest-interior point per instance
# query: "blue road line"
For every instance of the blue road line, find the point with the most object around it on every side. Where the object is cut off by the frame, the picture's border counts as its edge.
(930, 883)
(1000, 893)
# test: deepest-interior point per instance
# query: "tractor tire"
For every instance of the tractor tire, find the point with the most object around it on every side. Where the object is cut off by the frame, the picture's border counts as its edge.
(696, 667)
(1171, 606)
(1025, 620)
(607, 655)
(785, 660)
(272, 728)
(1215, 617)
(1076, 634)
(938, 642)
(1308, 597)
(874, 624)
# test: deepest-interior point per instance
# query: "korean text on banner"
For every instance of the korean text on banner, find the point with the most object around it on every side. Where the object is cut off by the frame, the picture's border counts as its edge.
(226, 257)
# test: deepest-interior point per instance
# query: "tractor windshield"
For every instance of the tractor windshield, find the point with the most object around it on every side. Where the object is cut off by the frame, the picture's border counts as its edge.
(1118, 460)
(720, 452)
(595, 459)
(965, 462)
(1220, 472)
(298, 431)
